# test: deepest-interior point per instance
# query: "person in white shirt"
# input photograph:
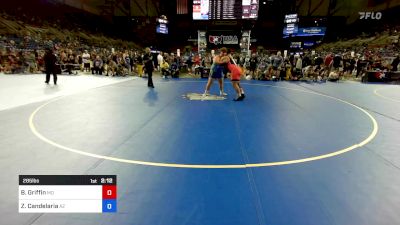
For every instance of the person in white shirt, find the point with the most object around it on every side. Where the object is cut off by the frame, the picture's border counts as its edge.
(160, 60)
(86, 61)
(298, 66)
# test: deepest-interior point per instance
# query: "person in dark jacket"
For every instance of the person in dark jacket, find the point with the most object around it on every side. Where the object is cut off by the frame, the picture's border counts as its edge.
(97, 66)
(395, 63)
(50, 66)
(148, 65)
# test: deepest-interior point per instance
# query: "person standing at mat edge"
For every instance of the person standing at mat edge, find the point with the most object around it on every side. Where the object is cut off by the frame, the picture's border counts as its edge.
(148, 65)
(50, 65)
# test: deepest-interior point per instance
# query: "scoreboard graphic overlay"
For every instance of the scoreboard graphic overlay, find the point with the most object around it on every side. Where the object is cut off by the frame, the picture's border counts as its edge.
(67, 194)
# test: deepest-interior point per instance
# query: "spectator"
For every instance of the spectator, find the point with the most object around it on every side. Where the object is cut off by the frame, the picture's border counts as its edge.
(328, 61)
(86, 61)
(189, 63)
(253, 65)
(298, 66)
(174, 69)
(277, 63)
(97, 66)
(337, 61)
(139, 64)
(196, 63)
(127, 61)
(395, 63)
(306, 61)
(318, 61)
(160, 60)
(70, 63)
(111, 67)
(31, 62)
(165, 69)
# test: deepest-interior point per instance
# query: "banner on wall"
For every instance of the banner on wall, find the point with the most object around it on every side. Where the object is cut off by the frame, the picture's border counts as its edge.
(311, 31)
(221, 39)
(308, 44)
(307, 31)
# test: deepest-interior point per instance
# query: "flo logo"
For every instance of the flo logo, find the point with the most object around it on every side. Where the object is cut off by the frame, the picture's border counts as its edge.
(216, 40)
(370, 15)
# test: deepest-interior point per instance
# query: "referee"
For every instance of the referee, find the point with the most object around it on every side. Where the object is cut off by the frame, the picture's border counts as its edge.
(149, 66)
(50, 66)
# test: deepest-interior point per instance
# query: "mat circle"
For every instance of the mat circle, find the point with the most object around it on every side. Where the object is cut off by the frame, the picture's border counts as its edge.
(376, 92)
(222, 166)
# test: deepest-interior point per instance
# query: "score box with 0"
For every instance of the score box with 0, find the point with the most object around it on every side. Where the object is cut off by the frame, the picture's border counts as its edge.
(67, 193)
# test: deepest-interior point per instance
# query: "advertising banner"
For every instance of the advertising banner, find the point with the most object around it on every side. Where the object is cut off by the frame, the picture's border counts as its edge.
(306, 31)
(218, 39)
(311, 31)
